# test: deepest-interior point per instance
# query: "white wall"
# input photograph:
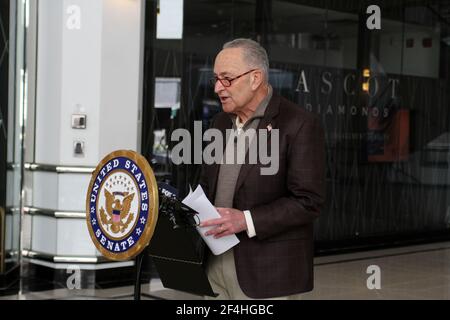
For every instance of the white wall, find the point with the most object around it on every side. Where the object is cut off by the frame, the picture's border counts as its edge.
(120, 82)
(48, 82)
(93, 70)
(89, 61)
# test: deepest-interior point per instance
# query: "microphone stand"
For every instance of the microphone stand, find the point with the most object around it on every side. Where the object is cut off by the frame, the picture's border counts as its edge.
(138, 273)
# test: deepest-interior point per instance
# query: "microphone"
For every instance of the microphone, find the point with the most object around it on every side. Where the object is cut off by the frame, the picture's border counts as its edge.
(181, 215)
(167, 190)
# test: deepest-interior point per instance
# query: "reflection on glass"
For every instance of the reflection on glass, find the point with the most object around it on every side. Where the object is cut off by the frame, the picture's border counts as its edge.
(12, 20)
(4, 25)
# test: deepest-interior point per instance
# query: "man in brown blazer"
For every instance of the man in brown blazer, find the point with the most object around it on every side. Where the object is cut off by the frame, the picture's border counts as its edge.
(272, 215)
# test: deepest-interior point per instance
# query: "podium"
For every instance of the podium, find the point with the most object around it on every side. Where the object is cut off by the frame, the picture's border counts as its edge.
(154, 222)
(177, 250)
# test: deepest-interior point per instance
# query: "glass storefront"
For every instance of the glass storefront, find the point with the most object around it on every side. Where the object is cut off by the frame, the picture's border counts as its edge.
(383, 97)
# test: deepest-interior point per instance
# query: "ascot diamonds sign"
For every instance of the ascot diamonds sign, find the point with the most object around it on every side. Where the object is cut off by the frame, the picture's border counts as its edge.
(122, 205)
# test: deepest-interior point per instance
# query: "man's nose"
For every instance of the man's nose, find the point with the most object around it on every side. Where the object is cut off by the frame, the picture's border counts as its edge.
(218, 87)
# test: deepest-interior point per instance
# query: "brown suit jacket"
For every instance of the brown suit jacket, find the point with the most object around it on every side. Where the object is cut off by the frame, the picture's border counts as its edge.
(279, 260)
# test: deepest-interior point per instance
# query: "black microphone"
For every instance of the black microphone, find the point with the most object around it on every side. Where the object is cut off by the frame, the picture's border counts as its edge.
(167, 190)
(177, 212)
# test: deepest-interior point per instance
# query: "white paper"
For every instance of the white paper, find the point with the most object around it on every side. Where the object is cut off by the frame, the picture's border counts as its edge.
(198, 201)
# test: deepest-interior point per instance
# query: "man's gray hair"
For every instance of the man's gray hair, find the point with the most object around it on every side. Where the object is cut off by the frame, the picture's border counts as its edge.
(254, 54)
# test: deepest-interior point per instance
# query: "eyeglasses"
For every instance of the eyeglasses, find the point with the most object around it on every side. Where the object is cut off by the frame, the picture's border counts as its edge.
(226, 82)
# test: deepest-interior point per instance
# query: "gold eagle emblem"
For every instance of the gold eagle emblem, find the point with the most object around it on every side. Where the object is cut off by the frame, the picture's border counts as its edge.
(116, 211)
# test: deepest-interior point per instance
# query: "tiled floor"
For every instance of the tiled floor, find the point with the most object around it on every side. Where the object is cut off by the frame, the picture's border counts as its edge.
(419, 272)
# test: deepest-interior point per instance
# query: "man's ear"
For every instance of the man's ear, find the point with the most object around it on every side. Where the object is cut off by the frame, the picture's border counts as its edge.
(257, 79)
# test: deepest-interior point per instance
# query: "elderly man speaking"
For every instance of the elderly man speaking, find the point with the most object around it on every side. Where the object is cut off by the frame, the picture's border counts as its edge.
(272, 215)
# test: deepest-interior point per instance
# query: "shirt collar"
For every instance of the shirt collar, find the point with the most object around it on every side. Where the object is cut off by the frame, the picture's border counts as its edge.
(259, 112)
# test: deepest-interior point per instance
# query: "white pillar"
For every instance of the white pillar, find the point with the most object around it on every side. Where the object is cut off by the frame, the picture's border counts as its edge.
(88, 64)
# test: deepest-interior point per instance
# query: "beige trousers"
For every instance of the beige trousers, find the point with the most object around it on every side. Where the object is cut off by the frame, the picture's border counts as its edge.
(222, 275)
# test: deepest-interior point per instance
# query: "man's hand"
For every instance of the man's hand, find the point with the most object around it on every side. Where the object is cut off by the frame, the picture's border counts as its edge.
(232, 221)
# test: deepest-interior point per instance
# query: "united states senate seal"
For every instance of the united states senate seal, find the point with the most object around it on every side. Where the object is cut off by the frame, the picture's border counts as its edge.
(122, 205)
